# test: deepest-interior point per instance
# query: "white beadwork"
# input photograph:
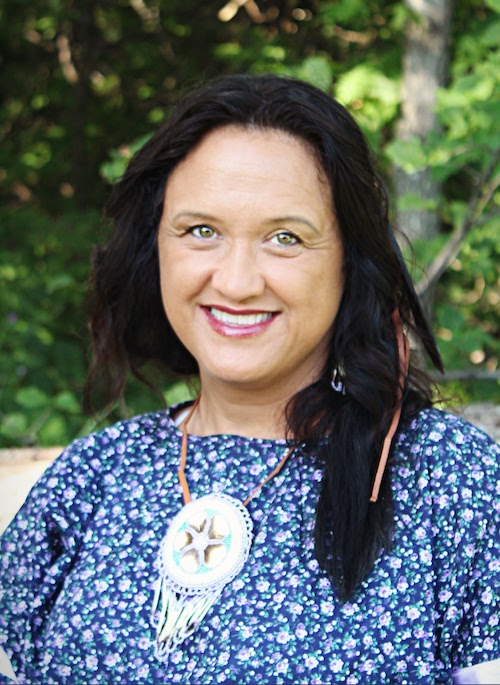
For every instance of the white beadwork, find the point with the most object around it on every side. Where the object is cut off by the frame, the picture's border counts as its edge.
(205, 547)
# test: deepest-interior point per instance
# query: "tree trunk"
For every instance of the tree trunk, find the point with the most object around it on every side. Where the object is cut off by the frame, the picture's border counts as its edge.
(425, 69)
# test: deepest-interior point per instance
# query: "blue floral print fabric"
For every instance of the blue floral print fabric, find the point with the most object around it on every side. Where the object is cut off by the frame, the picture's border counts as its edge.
(79, 564)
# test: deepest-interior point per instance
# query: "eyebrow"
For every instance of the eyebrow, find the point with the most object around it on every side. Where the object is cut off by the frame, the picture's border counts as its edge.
(278, 220)
(194, 215)
(295, 219)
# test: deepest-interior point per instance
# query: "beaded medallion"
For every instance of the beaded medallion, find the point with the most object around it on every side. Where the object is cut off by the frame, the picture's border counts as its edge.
(204, 549)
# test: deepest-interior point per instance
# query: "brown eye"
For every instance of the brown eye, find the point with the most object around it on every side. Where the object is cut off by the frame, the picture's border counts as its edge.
(203, 231)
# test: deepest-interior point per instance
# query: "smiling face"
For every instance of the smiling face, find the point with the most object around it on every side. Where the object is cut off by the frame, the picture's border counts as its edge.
(251, 260)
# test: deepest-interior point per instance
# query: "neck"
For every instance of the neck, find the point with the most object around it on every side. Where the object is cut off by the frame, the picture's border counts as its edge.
(239, 413)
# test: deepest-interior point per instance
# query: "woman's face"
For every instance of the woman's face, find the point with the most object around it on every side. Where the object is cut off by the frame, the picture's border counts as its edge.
(251, 259)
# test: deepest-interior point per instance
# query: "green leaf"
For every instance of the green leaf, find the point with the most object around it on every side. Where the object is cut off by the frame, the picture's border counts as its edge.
(494, 4)
(66, 401)
(475, 87)
(426, 250)
(318, 71)
(365, 81)
(178, 392)
(456, 212)
(228, 50)
(44, 335)
(451, 317)
(414, 201)
(38, 155)
(114, 169)
(13, 426)
(274, 52)
(342, 11)
(472, 340)
(59, 281)
(407, 154)
(491, 36)
(31, 398)
(53, 431)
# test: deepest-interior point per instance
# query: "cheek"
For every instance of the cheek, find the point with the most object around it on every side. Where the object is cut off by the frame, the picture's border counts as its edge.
(334, 277)
(337, 289)
(323, 285)
(325, 297)
(182, 277)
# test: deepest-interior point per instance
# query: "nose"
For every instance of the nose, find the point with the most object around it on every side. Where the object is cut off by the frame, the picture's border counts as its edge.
(238, 276)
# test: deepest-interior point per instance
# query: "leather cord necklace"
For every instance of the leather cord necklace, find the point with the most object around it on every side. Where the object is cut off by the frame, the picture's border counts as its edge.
(404, 364)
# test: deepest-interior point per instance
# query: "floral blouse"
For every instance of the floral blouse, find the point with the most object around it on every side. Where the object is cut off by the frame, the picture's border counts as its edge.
(79, 565)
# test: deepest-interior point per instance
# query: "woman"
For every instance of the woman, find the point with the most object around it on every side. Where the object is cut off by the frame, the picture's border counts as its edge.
(255, 535)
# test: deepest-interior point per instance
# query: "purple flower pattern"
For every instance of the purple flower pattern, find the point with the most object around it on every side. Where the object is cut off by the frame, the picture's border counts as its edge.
(79, 565)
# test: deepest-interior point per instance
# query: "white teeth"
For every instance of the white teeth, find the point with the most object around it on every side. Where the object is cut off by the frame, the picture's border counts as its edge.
(239, 319)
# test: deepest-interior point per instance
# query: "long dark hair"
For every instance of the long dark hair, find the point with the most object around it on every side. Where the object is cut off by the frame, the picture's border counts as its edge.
(345, 430)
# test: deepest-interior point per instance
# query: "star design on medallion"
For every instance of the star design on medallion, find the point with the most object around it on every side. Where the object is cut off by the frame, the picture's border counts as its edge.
(201, 539)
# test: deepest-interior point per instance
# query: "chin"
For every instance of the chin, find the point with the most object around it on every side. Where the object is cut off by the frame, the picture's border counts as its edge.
(244, 379)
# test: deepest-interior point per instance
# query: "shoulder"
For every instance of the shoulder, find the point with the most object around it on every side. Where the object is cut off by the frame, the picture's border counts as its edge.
(444, 425)
(76, 482)
(92, 463)
(444, 441)
(450, 468)
(103, 449)
(153, 425)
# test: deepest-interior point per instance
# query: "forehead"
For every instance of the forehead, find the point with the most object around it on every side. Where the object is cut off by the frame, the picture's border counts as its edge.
(263, 160)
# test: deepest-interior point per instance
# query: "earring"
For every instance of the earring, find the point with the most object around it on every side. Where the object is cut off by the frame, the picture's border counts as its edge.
(338, 380)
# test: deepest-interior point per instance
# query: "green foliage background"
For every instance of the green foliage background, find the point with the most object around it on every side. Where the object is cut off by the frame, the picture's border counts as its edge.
(85, 82)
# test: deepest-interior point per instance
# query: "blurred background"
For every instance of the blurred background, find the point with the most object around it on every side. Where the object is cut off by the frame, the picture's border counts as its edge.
(85, 82)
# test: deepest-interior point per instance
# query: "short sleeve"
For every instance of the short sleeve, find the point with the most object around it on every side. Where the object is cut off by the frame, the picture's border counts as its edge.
(39, 547)
(464, 479)
(478, 636)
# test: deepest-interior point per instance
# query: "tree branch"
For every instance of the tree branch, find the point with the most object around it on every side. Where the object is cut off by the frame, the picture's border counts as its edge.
(485, 188)
(361, 38)
(468, 375)
(66, 59)
(230, 9)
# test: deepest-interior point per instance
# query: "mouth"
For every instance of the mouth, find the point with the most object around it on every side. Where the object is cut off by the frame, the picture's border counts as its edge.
(238, 323)
(239, 319)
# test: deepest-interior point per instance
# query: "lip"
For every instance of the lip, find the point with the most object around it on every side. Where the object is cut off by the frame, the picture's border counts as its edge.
(239, 329)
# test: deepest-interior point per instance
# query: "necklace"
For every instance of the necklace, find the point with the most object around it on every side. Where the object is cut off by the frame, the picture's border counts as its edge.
(206, 546)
